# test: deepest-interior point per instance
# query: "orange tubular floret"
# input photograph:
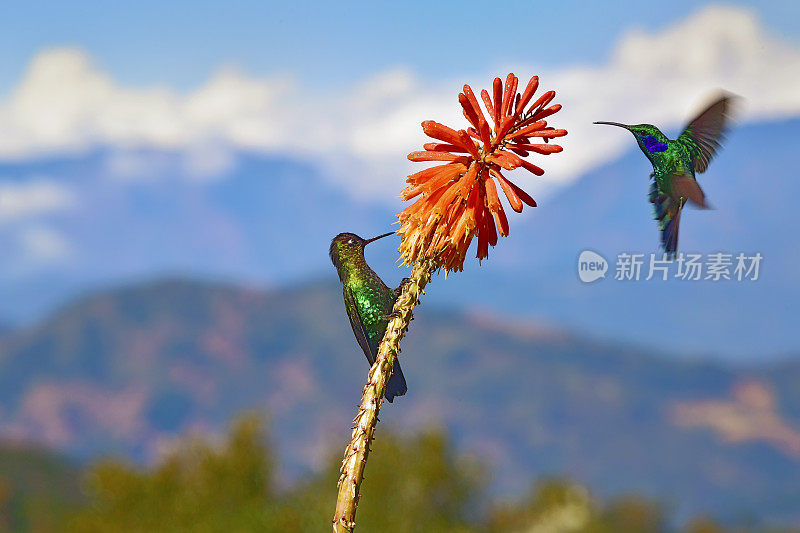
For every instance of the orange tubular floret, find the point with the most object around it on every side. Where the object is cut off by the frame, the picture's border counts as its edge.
(502, 221)
(442, 180)
(497, 89)
(428, 173)
(519, 151)
(492, 199)
(549, 133)
(486, 135)
(460, 220)
(469, 112)
(472, 132)
(411, 210)
(527, 130)
(412, 191)
(505, 125)
(512, 94)
(483, 244)
(513, 198)
(525, 197)
(507, 160)
(543, 149)
(442, 147)
(466, 223)
(435, 156)
(487, 101)
(474, 103)
(543, 100)
(530, 167)
(506, 95)
(441, 132)
(555, 108)
(450, 194)
(527, 94)
(468, 180)
(473, 150)
(491, 230)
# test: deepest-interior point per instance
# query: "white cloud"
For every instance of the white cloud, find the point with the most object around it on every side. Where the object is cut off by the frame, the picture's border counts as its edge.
(41, 244)
(362, 133)
(32, 198)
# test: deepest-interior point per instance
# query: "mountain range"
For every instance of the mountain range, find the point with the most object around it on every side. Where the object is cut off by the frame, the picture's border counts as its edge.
(128, 370)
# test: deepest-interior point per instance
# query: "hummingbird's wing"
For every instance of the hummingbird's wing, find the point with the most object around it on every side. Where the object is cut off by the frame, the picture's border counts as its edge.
(397, 382)
(684, 186)
(702, 135)
(358, 325)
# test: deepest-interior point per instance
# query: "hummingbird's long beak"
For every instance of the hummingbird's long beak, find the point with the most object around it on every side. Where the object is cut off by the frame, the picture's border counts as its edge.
(614, 124)
(378, 237)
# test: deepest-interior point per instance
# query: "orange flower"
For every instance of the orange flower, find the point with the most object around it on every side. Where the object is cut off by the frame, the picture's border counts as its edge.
(459, 198)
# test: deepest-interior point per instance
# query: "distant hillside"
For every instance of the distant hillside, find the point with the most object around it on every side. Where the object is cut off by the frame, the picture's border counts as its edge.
(124, 371)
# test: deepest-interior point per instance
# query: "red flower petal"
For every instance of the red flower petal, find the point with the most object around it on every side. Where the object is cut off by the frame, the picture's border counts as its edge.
(497, 89)
(435, 156)
(487, 101)
(441, 147)
(530, 167)
(527, 94)
(502, 221)
(543, 149)
(527, 130)
(511, 194)
(469, 111)
(507, 95)
(555, 108)
(544, 99)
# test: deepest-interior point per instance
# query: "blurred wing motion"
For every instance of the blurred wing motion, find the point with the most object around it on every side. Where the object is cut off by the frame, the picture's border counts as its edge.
(397, 382)
(703, 134)
(683, 186)
(668, 213)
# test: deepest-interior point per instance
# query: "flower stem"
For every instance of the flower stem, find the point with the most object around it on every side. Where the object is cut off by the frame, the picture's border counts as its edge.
(355, 455)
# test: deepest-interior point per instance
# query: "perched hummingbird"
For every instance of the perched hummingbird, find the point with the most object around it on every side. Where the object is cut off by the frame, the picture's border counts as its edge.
(675, 163)
(368, 301)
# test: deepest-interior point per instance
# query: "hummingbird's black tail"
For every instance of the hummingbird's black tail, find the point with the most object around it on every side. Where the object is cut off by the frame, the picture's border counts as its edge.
(397, 383)
(669, 234)
(668, 213)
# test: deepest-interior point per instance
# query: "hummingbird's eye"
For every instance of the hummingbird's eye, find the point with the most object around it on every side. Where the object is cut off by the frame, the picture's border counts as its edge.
(349, 241)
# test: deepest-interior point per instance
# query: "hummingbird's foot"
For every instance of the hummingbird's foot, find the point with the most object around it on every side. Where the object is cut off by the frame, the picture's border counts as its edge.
(399, 289)
(393, 314)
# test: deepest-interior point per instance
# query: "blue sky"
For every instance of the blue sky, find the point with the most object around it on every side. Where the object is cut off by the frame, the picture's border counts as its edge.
(213, 80)
(328, 43)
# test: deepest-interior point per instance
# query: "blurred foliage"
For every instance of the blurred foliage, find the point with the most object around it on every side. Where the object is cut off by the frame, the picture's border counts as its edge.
(414, 484)
(198, 487)
(38, 489)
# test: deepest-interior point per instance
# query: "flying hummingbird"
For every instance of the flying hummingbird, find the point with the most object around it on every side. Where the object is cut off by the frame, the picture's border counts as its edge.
(675, 163)
(368, 301)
